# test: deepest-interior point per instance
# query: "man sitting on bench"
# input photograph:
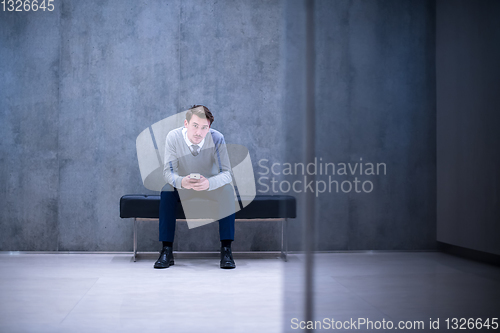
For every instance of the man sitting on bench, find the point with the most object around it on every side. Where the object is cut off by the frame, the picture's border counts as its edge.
(196, 166)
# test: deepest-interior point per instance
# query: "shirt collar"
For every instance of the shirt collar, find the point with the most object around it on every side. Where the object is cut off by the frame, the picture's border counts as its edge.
(189, 143)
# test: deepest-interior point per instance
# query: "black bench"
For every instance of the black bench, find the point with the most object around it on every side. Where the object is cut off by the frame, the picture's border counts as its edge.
(278, 208)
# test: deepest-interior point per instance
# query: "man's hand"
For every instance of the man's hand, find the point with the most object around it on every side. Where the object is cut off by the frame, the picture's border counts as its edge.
(201, 184)
(187, 182)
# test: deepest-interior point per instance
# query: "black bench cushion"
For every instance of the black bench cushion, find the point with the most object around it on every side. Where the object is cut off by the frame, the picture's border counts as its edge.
(263, 206)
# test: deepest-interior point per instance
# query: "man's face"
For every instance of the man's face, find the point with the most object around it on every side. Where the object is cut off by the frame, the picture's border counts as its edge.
(197, 129)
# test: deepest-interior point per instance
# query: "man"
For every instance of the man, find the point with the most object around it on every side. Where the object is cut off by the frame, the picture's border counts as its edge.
(196, 148)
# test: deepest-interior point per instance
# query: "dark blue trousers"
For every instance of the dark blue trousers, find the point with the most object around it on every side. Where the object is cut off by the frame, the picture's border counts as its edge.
(223, 196)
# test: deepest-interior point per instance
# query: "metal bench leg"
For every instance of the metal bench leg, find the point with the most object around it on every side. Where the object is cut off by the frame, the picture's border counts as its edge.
(135, 237)
(284, 239)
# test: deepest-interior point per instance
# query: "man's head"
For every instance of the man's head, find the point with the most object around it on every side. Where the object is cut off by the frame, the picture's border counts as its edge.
(198, 121)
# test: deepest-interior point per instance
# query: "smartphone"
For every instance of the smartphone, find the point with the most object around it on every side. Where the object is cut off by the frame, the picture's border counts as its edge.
(194, 176)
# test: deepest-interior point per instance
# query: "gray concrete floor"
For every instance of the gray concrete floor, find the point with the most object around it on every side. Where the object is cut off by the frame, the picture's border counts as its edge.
(110, 293)
(395, 286)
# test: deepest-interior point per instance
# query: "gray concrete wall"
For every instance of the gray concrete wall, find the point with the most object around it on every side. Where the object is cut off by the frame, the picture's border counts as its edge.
(29, 112)
(468, 119)
(79, 84)
(375, 101)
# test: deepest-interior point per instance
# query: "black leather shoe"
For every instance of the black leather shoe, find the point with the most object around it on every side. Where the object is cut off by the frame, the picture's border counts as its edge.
(166, 258)
(226, 258)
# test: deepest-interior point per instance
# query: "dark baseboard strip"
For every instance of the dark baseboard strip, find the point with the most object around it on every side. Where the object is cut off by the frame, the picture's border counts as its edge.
(463, 252)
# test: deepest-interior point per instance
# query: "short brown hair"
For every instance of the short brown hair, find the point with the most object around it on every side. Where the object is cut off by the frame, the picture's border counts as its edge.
(202, 113)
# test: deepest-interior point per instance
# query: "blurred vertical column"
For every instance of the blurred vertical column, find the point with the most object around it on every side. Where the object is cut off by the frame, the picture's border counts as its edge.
(310, 152)
(299, 135)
